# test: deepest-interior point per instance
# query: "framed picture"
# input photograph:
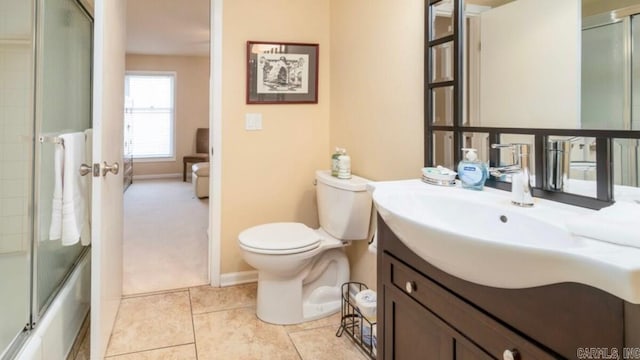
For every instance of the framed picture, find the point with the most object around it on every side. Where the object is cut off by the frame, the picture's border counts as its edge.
(282, 73)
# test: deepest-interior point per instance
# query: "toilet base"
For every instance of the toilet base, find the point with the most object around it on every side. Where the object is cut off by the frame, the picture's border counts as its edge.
(312, 294)
(325, 301)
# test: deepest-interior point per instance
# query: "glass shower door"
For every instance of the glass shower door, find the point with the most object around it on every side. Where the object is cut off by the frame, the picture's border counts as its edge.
(635, 73)
(16, 157)
(63, 106)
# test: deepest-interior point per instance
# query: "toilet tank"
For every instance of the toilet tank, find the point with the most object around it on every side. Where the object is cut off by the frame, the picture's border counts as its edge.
(344, 206)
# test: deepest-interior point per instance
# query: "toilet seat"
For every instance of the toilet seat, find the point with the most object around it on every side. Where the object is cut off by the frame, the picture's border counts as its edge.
(279, 238)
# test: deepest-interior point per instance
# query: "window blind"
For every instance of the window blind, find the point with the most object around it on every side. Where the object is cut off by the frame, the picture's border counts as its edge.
(150, 111)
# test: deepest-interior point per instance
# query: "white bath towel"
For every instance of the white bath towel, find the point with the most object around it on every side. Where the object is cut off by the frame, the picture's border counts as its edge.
(74, 189)
(55, 229)
(617, 224)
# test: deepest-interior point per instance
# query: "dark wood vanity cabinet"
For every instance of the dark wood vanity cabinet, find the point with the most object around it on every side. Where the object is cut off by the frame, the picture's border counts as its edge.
(424, 313)
(413, 332)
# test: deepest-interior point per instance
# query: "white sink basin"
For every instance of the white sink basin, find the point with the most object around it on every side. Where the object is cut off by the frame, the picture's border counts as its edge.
(480, 237)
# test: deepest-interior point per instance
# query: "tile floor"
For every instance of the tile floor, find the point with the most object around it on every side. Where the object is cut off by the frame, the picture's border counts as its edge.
(212, 323)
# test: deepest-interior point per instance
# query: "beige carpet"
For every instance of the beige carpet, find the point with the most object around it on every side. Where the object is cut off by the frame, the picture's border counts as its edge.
(165, 237)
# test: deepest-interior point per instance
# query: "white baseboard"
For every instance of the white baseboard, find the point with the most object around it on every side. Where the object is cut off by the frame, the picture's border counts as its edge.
(156, 176)
(237, 278)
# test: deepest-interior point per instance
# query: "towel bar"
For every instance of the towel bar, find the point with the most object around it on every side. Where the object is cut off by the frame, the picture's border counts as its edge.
(51, 139)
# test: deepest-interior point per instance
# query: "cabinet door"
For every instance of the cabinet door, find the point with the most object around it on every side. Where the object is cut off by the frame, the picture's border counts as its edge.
(465, 350)
(454, 313)
(412, 332)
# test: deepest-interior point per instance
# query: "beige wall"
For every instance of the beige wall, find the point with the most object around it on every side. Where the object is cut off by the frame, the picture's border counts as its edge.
(370, 101)
(192, 104)
(268, 175)
(377, 95)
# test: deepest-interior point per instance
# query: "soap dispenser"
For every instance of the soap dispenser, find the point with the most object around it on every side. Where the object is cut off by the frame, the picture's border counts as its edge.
(471, 171)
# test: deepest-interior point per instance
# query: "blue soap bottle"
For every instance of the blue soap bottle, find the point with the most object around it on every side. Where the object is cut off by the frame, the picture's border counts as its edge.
(471, 171)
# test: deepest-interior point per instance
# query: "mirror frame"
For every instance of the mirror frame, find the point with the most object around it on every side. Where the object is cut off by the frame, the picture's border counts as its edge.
(604, 138)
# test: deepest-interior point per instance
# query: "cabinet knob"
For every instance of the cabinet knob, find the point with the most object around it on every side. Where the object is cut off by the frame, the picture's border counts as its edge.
(512, 354)
(410, 286)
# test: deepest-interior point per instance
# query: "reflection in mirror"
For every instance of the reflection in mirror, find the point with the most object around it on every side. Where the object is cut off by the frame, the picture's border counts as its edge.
(443, 105)
(626, 169)
(556, 163)
(519, 77)
(443, 149)
(635, 70)
(610, 37)
(578, 155)
(627, 158)
(478, 141)
(542, 78)
(582, 159)
(443, 20)
(442, 62)
(603, 77)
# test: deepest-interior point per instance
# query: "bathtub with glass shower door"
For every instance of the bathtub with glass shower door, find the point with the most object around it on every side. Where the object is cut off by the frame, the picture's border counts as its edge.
(45, 92)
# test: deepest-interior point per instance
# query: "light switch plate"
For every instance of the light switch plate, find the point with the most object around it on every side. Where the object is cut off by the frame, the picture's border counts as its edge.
(253, 121)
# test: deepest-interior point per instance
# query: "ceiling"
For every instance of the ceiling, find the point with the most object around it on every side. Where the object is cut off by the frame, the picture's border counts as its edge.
(168, 27)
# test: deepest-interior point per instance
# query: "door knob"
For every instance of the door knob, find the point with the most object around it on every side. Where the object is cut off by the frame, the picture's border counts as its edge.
(84, 169)
(106, 168)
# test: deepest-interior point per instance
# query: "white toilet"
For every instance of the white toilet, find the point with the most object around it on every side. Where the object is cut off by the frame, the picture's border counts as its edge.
(301, 270)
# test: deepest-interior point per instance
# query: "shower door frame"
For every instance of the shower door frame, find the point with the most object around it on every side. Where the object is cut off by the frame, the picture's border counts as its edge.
(36, 312)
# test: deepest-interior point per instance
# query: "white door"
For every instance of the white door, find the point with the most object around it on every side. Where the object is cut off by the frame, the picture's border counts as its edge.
(108, 112)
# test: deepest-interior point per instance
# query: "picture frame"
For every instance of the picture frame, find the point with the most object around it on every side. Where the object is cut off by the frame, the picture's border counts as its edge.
(282, 73)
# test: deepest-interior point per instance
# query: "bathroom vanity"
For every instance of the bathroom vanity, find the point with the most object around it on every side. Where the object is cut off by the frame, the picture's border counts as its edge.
(426, 313)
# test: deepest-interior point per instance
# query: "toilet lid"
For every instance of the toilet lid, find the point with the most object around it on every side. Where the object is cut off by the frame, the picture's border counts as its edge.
(280, 238)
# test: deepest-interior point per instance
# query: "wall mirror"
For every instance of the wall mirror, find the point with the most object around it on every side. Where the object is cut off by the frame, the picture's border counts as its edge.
(536, 66)
(561, 64)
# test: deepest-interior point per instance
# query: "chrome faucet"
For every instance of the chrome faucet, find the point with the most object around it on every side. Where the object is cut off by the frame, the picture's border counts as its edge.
(519, 170)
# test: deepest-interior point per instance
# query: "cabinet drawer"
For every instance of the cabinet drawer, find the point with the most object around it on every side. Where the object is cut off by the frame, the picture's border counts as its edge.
(483, 330)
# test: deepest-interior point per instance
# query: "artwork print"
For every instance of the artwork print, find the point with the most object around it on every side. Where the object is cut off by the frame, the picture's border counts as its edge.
(283, 74)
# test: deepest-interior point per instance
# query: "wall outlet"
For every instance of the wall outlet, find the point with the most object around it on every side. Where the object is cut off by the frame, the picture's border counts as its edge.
(253, 121)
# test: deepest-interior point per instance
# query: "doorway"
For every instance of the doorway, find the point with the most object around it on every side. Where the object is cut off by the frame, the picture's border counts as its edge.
(166, 244)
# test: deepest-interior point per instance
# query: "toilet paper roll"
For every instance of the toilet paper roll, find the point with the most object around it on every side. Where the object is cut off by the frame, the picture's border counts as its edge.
(366, 303)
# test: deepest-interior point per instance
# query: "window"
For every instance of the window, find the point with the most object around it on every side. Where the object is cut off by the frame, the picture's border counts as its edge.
(149, 109)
